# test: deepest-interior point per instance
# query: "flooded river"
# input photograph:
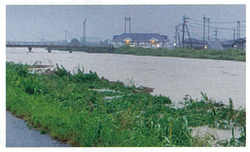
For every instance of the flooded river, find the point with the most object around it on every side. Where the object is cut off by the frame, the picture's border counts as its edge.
(173, 77)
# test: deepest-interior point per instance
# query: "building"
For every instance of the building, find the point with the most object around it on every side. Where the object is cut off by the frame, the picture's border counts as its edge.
(146, 40)
(193, 43)
(228, 44)
(210, 45)
(214, 45)
(240, 43)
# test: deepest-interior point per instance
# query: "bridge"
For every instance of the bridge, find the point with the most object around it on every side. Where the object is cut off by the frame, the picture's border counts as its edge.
(56, 46)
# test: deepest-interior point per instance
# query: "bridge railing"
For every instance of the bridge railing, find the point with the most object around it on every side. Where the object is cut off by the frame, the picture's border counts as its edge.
(49, 44)
(35, 43)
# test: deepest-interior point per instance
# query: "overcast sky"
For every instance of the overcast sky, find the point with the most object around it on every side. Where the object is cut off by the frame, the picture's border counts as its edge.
(34, 22)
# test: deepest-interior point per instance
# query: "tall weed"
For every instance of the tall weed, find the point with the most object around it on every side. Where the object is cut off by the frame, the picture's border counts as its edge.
(69, 108)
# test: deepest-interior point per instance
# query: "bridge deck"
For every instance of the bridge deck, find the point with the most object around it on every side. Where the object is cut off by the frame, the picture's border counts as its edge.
(51, 45)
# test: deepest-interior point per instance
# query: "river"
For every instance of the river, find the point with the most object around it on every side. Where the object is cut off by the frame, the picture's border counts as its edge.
(18, 134)
(173, 77)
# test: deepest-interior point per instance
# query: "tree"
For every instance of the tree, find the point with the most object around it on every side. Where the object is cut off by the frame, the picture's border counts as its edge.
(75, 42)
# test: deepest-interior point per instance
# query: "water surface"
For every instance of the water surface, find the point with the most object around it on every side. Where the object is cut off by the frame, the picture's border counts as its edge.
(173, 77)
(18, 134)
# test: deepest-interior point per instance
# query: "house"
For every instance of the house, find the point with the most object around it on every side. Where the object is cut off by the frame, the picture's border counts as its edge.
(210, 45)
(227, 44)
(196, 44)
(214, 45)
(240, 43)
(146, 40)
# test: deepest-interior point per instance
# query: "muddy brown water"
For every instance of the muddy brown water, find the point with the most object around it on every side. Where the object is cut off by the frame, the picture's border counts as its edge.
(173, 77)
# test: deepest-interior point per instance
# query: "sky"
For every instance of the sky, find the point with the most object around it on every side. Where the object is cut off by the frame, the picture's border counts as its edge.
(36, 22)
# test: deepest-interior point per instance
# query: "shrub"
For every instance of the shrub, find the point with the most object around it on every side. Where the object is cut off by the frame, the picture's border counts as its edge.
(61, 71)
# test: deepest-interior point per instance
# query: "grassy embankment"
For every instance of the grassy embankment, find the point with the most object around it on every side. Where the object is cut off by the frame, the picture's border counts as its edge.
(230, 54)
(71, 108)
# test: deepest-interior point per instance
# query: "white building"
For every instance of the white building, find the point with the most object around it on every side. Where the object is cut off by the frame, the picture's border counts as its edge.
(146, 40)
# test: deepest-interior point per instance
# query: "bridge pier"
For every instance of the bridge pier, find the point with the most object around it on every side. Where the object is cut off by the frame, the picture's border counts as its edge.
(49, 49)
(70, 49)
(30, 48)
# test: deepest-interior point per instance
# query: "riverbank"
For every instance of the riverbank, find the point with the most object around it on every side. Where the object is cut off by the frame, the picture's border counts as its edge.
(229, 54)
(76, 108)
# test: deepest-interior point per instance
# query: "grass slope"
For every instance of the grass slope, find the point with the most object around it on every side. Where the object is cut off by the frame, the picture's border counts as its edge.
(70, 108)
(230, 54)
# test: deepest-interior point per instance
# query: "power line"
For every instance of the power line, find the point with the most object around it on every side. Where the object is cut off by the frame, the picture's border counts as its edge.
(222, 28)
(196, 23)
(195, 33)
(224, 22)
(195, 20)
(215, 27)
(194, 26)
(200, 28)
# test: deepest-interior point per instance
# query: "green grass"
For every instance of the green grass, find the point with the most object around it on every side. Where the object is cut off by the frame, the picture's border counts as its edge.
(229, 54)
(70, 108)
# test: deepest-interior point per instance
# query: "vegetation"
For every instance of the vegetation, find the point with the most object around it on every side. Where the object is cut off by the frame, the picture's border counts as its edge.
(75, 42)
(230, 54)
(86, 110)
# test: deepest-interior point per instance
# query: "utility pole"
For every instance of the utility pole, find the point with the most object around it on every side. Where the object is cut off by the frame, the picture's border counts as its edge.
(189, 37)
(216, 32)
(179, 39)
(125, 25)
(204, 31)
(176, 35)
(238, 29)
(208, 24)
(84, 31)
(234, 35)
(129, 24)
(183, 30)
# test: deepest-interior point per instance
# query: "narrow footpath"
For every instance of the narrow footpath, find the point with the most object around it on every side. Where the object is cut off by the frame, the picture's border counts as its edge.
(18, 134)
